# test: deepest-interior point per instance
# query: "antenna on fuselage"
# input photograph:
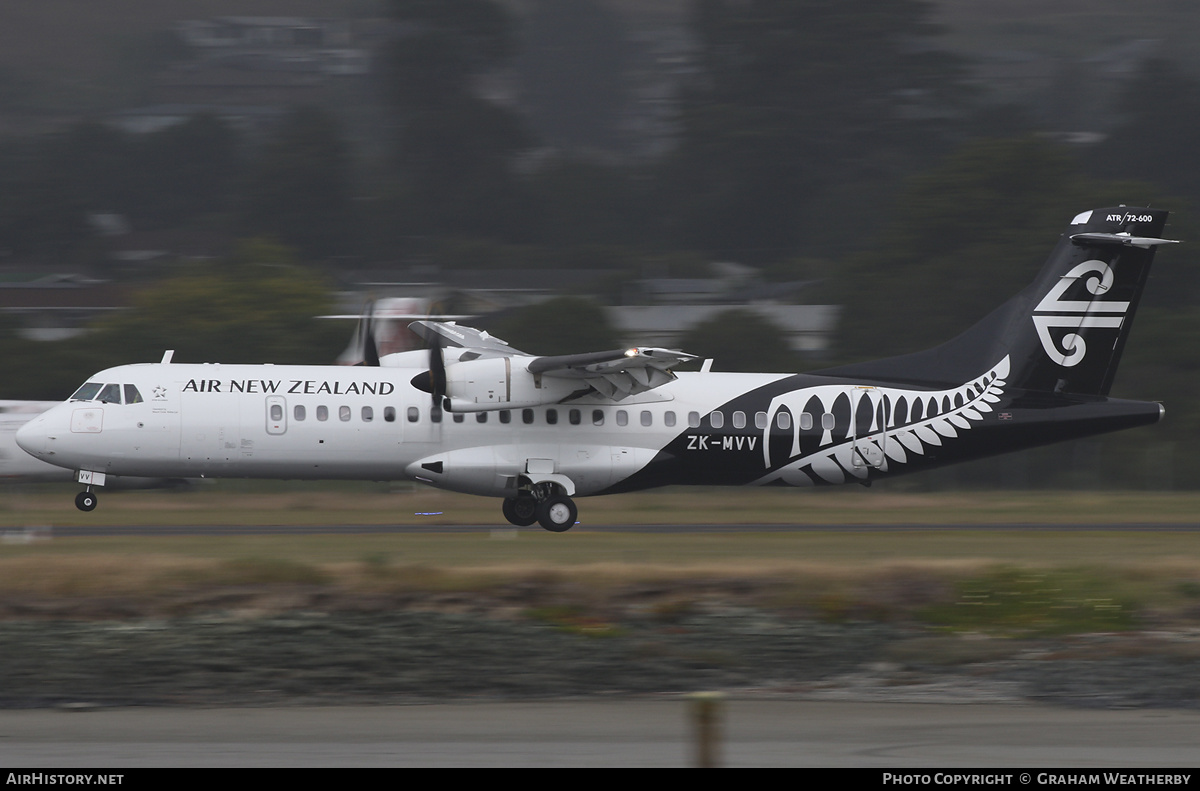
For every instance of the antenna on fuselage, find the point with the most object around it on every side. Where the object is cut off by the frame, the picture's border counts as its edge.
(167, 355)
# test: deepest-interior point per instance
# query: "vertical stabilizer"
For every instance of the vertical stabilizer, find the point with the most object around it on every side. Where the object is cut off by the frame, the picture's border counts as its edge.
(1067, 330)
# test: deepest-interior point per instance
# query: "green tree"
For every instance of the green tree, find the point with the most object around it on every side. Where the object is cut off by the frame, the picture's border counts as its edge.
(580, 202)
(186, 170)
(456, 149)
(795, 103)
(965, 237)
(299, 191)
(959, 241)
(563, 325)
(741, 340)
(257, 307)
(570, 68)
(1155, 140)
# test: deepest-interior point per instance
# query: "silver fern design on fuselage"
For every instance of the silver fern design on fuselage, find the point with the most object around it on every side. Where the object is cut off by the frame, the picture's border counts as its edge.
(926, 418)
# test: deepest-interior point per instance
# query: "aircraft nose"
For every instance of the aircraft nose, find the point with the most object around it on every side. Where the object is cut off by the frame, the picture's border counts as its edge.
(31, 437)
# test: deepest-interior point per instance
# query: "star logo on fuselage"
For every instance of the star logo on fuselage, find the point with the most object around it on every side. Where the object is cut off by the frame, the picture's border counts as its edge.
(160, 393)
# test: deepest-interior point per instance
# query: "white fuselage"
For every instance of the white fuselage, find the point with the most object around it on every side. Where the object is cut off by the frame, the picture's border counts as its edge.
(335, 422)
(15, 464)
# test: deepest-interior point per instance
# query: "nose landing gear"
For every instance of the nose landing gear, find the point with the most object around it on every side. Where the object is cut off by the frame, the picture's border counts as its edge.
(86, 501)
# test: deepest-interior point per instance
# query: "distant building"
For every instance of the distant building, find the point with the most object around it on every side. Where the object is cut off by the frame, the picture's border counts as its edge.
(57, 307)
(807, 329)
(283, 44)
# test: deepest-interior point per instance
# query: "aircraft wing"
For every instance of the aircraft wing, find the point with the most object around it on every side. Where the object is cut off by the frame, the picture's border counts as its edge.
(616, 374)
(448, 333)
(613, 374)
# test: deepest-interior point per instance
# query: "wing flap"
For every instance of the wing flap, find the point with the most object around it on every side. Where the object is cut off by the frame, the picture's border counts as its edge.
(616, 374)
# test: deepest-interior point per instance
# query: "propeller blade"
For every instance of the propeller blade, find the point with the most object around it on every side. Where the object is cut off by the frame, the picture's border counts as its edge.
(437, 370)
(370, 351)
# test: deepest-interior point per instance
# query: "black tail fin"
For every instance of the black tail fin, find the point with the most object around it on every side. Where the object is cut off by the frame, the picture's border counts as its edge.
(1066, 331)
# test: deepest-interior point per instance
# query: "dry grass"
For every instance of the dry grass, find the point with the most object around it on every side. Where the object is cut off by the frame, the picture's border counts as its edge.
(883, 572)
(237, 503)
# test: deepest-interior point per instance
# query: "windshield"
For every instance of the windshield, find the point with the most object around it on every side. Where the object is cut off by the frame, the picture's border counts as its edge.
(111, 394)
(108, 393)
(87, 392)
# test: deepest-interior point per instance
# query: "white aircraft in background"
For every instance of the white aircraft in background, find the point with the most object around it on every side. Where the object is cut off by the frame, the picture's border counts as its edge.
(475, 415)
(384, 321)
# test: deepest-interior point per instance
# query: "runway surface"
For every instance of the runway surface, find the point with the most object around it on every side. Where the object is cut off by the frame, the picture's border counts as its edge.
(642, 733)
(248, 530)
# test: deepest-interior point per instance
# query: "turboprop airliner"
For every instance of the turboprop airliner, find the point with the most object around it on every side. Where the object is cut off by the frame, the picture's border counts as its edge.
(475, 415)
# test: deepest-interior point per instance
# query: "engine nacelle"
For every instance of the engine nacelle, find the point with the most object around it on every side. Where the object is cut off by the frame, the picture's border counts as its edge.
(501, 383)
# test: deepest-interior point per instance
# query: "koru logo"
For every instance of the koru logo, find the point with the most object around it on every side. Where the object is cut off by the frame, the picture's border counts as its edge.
(1055, 311)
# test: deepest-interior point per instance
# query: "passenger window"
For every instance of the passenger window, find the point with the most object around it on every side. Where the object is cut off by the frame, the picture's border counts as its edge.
(784, 420)
(527, 416)
(276, 412)
(760, 420)
(806, 421)
(574, 417)
(298, 412)
(717, 419)
(344, 413)
(597, 417)
(435, 414)
(827, 421)
(693, 420)
(505, 416)
(87, 392)
(414, 414)
(459, 417)
(481, 417)
(389, 414)
(322, 413)
(622, 417)
(647, 418)
(368, 414)
(669, 419)
(132, 396)
(739, 419)
(551, 416)
(111, 394)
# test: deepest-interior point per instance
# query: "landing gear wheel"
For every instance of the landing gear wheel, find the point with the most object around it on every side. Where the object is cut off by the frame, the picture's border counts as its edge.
(557, 514)
(521, 511)
(86, 501)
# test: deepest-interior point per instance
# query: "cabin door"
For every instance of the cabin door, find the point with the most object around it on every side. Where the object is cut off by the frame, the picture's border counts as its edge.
(868, 410)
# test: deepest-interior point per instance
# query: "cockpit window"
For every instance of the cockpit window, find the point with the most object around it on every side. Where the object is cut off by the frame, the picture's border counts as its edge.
(132, 396)
(87, 392)
(111, 394)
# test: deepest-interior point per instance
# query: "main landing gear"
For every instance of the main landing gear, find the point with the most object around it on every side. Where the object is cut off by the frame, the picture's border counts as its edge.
(86, 501)
(552, 510)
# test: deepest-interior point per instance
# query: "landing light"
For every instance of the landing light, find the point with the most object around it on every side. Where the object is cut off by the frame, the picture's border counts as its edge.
(631, 352)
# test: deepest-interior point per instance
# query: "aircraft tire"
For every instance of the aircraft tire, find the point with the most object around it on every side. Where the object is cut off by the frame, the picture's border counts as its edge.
(520, 511)
(86, 501)
(557, 514)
